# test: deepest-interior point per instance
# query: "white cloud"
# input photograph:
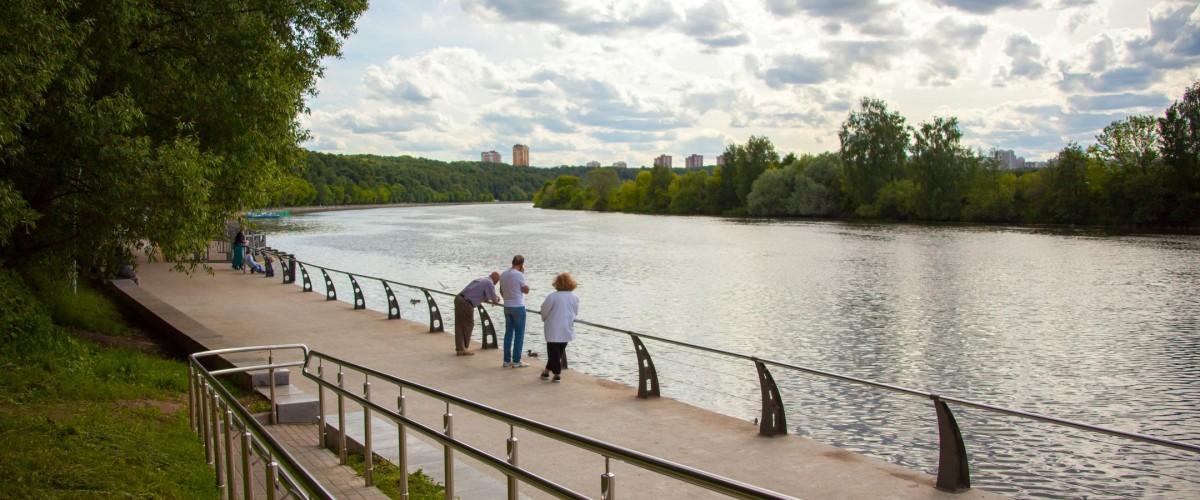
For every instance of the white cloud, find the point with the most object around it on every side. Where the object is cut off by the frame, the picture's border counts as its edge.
(580, 80)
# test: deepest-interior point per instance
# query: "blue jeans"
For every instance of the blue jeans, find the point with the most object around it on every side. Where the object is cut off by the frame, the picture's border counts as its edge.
(514, 333)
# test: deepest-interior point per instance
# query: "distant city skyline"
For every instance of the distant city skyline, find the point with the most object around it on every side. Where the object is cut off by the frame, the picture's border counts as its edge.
(583, 81)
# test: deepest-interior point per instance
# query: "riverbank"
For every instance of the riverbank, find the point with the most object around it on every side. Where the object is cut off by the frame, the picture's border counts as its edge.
(337, 208)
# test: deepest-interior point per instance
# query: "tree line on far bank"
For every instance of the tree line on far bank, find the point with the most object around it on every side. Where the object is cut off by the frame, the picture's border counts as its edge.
(1142, 171)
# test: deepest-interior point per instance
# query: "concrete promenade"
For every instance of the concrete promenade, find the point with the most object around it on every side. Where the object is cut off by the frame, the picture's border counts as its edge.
(244, 310)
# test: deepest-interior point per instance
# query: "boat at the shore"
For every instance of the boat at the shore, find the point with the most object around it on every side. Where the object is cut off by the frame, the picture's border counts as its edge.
(266, 215)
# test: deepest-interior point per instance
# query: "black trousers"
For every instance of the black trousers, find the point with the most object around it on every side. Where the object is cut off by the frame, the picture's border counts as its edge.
(554, 355)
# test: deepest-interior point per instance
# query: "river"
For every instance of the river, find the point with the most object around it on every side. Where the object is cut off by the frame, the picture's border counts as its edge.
(1079, 324)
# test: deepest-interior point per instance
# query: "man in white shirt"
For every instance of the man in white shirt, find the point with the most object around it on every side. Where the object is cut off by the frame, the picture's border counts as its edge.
(513, 289)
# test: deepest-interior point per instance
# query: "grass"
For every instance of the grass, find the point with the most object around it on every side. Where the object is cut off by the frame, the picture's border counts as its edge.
(81, 420)
(387, 479)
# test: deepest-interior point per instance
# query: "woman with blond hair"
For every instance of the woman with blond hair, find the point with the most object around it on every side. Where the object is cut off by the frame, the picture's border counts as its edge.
(558, 315)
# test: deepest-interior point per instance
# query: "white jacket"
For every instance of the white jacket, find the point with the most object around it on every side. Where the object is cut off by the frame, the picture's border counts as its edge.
(558, 314)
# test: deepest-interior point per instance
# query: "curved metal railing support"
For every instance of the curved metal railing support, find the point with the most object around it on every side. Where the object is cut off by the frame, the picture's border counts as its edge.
(393, 305)
(435, 315)
(773, 421)
(330, 291)
(307, 285)
(289, 269)
(954, 474)
(647, 375)
(488, 328)
(360, 302)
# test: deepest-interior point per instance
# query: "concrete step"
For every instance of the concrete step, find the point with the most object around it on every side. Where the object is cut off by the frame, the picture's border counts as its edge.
(293, 405)
(260, 378)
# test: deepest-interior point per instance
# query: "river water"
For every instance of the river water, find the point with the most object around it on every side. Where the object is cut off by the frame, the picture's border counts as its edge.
(1078, 324)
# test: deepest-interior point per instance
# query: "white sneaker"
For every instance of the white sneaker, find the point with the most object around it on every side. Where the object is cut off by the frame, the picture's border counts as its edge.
(520, 364)
(506, 364)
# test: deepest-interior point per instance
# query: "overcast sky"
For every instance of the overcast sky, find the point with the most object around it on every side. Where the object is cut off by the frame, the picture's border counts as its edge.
(627, 80)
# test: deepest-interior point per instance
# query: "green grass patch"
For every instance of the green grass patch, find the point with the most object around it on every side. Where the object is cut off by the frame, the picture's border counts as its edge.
(80, 420)
(82, 305)
(387, 478)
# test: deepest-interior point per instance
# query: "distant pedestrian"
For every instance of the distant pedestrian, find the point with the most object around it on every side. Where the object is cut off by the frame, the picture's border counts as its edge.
(559, 311)
(476, 292)
(239, 248)
(513, 289)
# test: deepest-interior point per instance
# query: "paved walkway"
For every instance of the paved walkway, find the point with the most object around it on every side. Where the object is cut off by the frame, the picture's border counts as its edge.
(243, 310)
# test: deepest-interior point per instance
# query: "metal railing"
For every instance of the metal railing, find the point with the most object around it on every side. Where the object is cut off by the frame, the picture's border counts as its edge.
(508, 465)
(953, 468)
(220, 419)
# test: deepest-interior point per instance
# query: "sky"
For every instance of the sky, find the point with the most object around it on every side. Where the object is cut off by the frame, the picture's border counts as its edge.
(627, 80)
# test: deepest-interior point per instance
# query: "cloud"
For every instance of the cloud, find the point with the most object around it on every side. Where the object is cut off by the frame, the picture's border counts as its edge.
(1130, 61)
(1123, 101)
(871, 17)
(1026, 61)
(987, 6)
(947, 47)
(422, 80)
(845, 60)
(713, 26)
(582, 18)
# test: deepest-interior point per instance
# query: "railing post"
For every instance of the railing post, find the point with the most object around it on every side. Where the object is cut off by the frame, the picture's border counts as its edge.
(229, 451)
(330, 292)
(368, 455)
(192, 397)
(448, 452)
(487, 328)
(322, 440)
(289, 269)
(402, 437)
(360, 302)
(608, 483)
(647, 375)
(513, 484)
(307, 285)
(214, 411)
(247, 484)
(205, 431)
(954, 473)
(393, 305)
(271, 387)
(341, 419)
(435, 315)
(272, 477)
(773, 421)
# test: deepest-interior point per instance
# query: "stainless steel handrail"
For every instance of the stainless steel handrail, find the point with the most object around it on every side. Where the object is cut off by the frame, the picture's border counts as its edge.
(953, 470)
(281, 466)
(667, 468)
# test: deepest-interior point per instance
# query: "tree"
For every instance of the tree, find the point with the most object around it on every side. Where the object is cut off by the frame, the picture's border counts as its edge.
(816, 191)
(772, 193)
(873, 145)
(1134, 187)
(137, 123)
(758, 156)
(1065, 197)
(1179, 129)
(937, 169)
(689, 193)
(600, 185)
(991, 192)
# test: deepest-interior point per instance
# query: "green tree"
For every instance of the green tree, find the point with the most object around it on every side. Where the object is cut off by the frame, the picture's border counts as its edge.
(1134, 183)
(758, 156)
(816, 192)
(991, 192)
(873, 146)
(772, 193)
(1065, 194)
(689, 193)
(937, 168)
(1179, 131)
(600, 185)
(129, 123)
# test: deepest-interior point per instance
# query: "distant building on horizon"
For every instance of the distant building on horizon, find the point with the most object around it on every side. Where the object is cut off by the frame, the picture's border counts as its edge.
(1011, 161)
(619, 164)
(695, 161)
(593, 164)
(491, 157)
(520, 155)
(663, 160)
(720, 160)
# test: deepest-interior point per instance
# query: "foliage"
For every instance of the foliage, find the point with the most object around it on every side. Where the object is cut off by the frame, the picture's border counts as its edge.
(387, 477)
(81, 305)
(116, 418)
(1179, 136)
(874, 142)
(938, 170)
(129, 124)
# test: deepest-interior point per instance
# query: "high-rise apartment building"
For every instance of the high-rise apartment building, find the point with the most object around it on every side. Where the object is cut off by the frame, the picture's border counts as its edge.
(491, 157)
(720, 160)
(593, 164)
(619, 164)
(521, 155)
(695, 162)
(664, 160)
